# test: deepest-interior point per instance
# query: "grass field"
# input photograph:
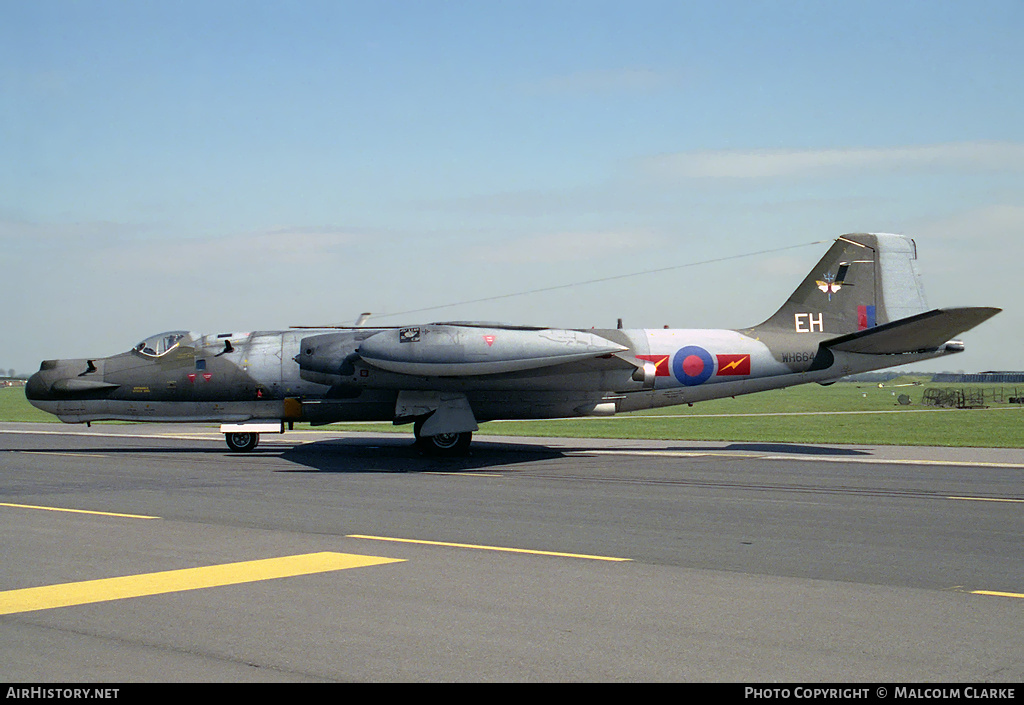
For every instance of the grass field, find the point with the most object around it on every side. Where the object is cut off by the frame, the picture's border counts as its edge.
(842, 413)
(14, 407)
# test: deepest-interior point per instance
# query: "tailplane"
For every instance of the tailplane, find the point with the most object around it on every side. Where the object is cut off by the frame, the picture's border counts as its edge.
(925, 331)
(863, 281)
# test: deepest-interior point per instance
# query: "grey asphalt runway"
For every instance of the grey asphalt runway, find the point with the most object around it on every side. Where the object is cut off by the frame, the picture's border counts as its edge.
(152, 553)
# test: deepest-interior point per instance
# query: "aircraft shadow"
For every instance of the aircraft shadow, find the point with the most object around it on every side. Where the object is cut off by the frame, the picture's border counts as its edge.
(400, 455)
(349, 455)
(356, 455)
(376, 455)
(791, 448)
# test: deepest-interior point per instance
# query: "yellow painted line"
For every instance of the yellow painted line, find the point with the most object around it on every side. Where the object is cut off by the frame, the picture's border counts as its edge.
(895, 461)
(795, 457)
(77, 511)
(106, 589)
(987, 499)
(53, 452)
(998, 594)
(941, 463)
(661, 453)
(489, 548)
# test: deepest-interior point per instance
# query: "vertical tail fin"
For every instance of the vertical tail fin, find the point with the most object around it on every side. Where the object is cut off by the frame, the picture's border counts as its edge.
(864, 280)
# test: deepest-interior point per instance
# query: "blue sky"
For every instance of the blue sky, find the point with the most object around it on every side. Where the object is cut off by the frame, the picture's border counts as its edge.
(225, 166)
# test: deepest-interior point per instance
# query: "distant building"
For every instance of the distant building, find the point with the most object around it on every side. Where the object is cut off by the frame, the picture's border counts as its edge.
(980, 378)
(996, 377)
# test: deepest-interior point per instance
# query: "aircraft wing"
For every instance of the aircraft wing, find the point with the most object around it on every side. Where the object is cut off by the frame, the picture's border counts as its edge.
(924, 331)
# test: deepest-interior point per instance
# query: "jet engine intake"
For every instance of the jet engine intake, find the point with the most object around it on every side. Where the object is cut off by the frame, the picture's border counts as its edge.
(330, 353)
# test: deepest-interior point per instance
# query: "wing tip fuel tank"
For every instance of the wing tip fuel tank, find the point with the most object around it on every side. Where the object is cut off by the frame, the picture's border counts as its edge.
(457, 351)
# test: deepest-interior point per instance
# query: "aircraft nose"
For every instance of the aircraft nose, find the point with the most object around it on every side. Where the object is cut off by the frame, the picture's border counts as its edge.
(38, 386)
(62, 379)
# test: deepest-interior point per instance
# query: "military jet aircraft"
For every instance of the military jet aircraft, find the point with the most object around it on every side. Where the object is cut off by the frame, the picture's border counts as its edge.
(861, 308)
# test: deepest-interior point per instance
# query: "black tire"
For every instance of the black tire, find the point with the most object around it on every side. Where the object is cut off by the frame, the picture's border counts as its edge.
(449, 443)
(242, 442)
(443, 443)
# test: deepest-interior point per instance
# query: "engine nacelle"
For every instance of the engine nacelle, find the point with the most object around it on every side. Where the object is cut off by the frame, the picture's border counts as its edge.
(330, 353)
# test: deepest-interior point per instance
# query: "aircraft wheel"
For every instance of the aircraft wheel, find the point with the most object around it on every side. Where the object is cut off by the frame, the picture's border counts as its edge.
(448, 443)
(442, 443)
(242, 442)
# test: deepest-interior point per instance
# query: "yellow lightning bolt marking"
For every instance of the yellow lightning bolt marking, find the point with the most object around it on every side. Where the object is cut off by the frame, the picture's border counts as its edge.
(660, 363)
(734, 364)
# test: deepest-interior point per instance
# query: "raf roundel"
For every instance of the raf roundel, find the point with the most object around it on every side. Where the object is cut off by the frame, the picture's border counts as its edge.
(693, 365)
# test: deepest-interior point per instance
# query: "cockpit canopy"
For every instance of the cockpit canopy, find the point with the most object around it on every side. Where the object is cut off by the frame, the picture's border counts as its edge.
(162, 343)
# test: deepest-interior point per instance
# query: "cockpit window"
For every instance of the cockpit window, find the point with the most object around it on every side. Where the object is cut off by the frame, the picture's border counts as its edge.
(161, 344)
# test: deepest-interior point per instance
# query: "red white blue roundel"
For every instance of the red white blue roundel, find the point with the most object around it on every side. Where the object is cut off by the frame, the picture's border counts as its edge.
(693, 365)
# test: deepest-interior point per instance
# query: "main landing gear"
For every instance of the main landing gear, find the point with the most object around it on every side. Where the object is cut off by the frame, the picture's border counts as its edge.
(443, 444)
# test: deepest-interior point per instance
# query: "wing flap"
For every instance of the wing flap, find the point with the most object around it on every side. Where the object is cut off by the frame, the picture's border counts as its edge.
(924, 331)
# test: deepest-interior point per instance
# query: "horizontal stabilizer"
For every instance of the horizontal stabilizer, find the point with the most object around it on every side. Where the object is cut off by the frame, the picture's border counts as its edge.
(924, 331)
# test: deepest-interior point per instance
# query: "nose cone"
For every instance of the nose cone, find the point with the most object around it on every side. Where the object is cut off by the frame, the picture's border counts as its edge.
(39, 392)
(66, 379)
(39, 385)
